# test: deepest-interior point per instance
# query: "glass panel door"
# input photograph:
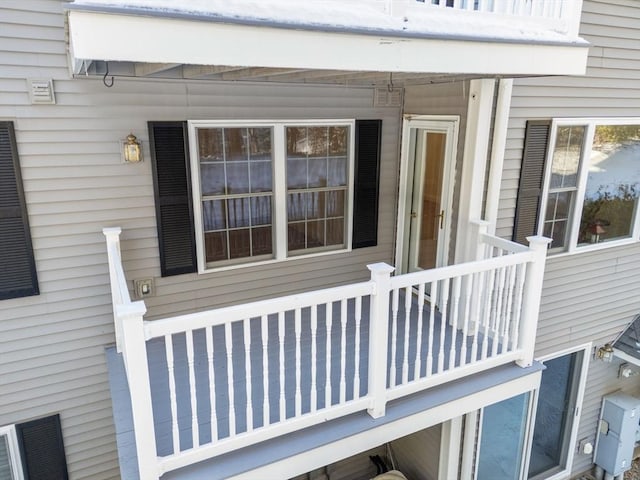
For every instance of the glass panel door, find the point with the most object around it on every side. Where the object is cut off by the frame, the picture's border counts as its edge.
(555, 415)
(427, 209)
(502, 439)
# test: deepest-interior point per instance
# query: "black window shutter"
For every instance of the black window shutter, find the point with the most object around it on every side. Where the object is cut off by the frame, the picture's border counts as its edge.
(366, 183)
(172, 185)
(18, 267)
(42, 449)
(536, 141)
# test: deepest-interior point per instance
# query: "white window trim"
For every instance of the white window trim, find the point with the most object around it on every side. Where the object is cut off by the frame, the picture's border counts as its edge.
(9, 432)
(574, 219)
(279, 222)
(565, 473)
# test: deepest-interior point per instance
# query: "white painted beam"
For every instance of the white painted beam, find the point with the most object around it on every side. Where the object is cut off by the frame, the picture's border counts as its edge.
(119, 37)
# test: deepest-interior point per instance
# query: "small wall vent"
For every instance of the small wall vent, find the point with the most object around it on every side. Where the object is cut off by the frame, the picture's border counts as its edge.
(386, 97)
(41, 92)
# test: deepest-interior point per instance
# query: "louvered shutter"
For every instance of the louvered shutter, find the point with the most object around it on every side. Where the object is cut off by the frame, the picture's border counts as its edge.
(172, 184)
(19, 278)
(531, 179)
(42, 449)
(366, 183)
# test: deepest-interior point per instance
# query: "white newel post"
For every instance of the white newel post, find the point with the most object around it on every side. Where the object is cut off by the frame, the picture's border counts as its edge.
(378, 335)
(135, 358)
(531, 299)
(478, 229)
(128, 318)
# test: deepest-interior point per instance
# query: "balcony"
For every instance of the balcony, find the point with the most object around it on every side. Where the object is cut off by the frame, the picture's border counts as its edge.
(410, 38)
(209, 383)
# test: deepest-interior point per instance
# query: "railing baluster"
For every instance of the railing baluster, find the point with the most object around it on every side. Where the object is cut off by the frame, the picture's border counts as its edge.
(314, 369)
(488, 313)
(343, 350)
(509, 309)
(408, 296)
(416, 363)
(228, 340)
(498, 312)
(443, 323)
(394, 340)
(328, 326)
(175, 433)
(266, 411)
(522, 269)
(282, 400)
(433, 299)
(457, 281)
(468, 289)
(195, 431)
(247, 366)
(298, 331)
(356, 366)
(212, 391)
(474, 288)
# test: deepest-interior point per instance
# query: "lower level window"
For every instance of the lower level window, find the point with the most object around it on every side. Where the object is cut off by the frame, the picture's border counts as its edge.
(270, 190)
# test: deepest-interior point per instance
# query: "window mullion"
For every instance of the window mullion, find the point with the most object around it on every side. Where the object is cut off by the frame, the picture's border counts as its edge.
(583, 173)
(280, 191)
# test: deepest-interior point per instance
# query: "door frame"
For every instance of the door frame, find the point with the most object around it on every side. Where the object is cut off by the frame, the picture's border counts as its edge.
(450, 125)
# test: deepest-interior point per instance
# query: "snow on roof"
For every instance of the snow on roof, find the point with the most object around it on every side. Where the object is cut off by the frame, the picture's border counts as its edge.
(363, 16)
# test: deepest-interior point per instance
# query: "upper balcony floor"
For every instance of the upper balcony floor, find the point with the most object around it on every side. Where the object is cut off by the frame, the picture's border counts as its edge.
(327, 42)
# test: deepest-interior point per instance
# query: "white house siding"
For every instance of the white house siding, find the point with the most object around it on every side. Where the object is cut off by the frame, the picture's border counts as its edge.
(586, 296)
(52, 345)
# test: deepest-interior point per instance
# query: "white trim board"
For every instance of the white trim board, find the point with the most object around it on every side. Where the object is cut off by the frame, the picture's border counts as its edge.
(326, 454)
(120, 37)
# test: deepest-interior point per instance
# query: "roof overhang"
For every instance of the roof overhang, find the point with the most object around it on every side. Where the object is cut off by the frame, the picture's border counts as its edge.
(124, 37)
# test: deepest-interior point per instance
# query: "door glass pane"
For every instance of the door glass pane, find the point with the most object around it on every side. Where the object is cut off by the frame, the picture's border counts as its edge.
(556, 401)
(613, 184)
(502, 440)
(430, 206)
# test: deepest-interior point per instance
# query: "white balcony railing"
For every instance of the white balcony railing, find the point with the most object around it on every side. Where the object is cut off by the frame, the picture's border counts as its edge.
(562, 15)
(239, 375)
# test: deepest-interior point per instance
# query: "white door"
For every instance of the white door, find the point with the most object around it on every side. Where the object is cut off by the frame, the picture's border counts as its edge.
(428, 158)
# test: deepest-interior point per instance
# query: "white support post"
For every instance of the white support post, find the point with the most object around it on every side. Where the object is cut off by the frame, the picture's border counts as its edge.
(531, 299)
(378, 335)
(113, 256)
(135, 358)
(474, 162)
(571, 14)
(500, 127)
(479, 229)
(450, 449)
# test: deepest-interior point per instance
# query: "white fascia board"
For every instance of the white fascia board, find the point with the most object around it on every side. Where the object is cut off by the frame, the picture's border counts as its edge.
(324, 455)
(136, 38)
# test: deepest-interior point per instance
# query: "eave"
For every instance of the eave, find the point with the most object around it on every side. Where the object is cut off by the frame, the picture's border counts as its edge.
(161, 40)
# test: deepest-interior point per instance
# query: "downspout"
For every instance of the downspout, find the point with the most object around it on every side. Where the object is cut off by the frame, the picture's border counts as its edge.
(501, 123)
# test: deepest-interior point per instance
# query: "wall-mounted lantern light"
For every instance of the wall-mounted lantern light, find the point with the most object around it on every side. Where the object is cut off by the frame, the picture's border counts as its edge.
(132, 149)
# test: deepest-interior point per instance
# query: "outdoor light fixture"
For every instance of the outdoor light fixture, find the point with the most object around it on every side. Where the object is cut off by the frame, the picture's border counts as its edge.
(132, 149)
(605, 353)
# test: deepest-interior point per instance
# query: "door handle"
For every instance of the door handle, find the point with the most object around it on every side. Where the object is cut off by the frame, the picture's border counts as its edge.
(441, 216)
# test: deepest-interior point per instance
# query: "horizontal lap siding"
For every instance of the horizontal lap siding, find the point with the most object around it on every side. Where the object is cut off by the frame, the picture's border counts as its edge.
(588, 296)
(52, 345)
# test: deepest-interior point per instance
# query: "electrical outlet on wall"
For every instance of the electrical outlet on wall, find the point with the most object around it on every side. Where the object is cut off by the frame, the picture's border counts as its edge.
(144, 287)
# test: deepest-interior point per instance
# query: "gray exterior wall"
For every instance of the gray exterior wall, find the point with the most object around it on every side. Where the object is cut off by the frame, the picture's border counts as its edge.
(587, 297)
(52, 345)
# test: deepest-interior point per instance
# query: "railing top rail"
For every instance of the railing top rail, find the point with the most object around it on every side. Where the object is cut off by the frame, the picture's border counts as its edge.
(427, 276)
(507, 245)
(220, 316)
